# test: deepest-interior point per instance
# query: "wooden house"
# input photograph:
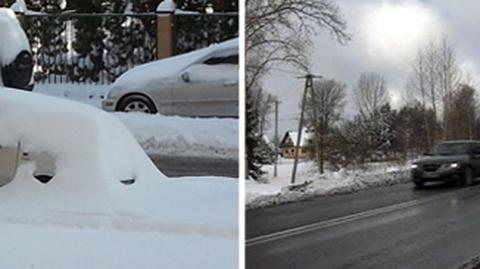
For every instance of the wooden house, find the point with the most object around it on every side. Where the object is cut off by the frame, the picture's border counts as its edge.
(289, 142)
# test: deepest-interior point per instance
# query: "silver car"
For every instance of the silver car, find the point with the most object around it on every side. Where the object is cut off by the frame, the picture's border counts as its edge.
(201, 83)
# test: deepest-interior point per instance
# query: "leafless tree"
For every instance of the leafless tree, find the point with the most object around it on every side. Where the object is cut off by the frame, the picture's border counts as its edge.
(278, 31)
(449, 81)
(264, 103)
(371, 93)
(435, 76)
(461, 120)
(418, 83)
(323, 109)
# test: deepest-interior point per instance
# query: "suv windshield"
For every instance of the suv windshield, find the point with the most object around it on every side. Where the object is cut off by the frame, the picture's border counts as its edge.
(452, 149)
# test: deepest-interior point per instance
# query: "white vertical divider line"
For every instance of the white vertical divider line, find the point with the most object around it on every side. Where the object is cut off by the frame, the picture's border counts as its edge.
(241, 132)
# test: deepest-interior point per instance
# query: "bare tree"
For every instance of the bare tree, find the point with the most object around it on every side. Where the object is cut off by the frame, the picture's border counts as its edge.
(278, 31)
(449, 81)
(435, 76)
(264, 103)
(323, 110)
(418, 83)
(461, 120)
(371, 93)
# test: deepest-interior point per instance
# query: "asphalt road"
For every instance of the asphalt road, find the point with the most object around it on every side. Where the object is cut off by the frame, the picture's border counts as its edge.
(389, 227)
(195, 166)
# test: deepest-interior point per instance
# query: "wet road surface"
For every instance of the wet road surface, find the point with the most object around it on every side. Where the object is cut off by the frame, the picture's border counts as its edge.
(388, 227)
(174, 166)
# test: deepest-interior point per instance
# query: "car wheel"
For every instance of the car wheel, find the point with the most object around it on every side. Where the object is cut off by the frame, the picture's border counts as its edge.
(136, 103)
(468, 177)
(419, 184)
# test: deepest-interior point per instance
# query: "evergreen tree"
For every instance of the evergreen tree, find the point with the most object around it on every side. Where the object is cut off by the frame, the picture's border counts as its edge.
(355, 133)
(143, 34)
(88, 65)
(47, 37)
(385, 131)
(194, 32)
(116, 58)
(255, 152)
(6, 3)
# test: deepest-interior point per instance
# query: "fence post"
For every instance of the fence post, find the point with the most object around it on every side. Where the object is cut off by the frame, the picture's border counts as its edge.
(165, 29)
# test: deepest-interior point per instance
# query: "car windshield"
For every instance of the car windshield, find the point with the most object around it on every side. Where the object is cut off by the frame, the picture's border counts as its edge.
(451, 149)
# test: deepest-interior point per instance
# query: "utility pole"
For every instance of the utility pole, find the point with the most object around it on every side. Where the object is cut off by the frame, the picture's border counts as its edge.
(308, 86)
(276, 139)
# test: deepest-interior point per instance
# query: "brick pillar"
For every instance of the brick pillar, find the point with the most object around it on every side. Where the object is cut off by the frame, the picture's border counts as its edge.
(165, 34)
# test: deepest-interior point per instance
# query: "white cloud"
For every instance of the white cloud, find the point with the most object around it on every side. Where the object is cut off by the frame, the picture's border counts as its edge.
(394, 31)
(386, 36)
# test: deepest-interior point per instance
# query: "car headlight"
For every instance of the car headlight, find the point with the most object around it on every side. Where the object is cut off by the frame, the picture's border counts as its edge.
(414, 166)
(454, 165)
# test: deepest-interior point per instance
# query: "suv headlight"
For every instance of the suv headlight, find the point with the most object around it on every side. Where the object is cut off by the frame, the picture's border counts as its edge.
(414, 166)
(454, 165)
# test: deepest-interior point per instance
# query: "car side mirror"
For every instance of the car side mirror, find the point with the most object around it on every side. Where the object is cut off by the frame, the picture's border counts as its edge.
(185, 77)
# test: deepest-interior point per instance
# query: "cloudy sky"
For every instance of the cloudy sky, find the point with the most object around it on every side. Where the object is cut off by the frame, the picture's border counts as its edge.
(385, 37)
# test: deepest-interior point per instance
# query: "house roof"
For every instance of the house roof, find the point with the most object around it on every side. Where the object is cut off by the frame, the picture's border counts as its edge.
(307, 135)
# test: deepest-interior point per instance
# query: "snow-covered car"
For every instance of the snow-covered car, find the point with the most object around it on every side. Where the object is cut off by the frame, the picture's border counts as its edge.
(106, 205)
(16, 63)
(201, 83)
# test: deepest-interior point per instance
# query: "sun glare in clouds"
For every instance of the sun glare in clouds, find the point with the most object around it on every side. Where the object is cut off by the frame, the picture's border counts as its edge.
(395, 31)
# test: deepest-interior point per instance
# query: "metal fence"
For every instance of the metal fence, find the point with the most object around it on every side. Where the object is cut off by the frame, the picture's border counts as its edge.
(97, 48)
(89, 48)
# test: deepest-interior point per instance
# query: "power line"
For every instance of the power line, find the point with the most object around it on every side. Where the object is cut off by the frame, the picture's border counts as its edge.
(290, 72)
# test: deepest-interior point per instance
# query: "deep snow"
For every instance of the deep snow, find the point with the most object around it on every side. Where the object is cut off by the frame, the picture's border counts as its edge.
(158, 134)
(85, 217)
(309, 183)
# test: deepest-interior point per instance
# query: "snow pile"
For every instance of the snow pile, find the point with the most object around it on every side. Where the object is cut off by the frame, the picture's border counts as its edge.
(166, 6)
(14, 39)
(173, 135)
(309, 183)
(94, 153)
(158, 134)
(19, 6)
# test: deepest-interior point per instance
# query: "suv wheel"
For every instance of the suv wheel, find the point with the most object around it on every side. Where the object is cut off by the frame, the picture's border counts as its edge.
(419, 184)
(136, 103)
(468, 177)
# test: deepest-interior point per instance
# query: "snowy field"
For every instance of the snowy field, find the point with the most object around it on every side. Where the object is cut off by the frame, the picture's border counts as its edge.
(162, 135)
(107, 205)
(309, 183)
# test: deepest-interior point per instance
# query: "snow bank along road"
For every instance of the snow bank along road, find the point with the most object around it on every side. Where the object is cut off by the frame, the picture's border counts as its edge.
(386, 227)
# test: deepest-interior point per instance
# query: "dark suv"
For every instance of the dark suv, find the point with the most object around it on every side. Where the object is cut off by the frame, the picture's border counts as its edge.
(451, 161)
(16, 63)
(18, 73)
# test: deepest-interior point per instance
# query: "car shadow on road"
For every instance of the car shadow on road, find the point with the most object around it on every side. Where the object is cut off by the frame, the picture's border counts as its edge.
(444, 186)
